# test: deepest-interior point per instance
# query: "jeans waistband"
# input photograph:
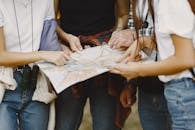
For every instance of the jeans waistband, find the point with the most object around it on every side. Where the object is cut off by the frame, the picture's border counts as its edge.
(186, 79)
(18, 69)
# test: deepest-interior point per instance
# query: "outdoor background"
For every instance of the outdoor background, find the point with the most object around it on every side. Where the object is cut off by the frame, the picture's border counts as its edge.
(131, 124)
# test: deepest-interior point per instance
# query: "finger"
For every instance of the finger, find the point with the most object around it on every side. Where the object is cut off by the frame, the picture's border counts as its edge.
(122, 99)
(73, 47)
(114, 70)
(131, 58)
(65, 56)
(116, 43)
(120, 59)
(110, 41)
(67, 51)
(87, 46)
(60, 62)
(128, 99)
(123, 44)
(78, 45)
(124, 102)
(126, 60)
(123, 57)
(113, 42)
(138, 58)
(104, 43)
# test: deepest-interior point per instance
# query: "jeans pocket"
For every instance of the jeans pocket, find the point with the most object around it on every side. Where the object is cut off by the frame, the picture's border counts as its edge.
(181, 103)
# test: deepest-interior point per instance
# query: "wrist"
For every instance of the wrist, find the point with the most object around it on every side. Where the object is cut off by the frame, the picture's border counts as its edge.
(118, 29)
(63, 35)
(41, 55)
(139, 70)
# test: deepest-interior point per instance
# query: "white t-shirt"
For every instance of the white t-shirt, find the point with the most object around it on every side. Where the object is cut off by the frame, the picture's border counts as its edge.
(173, 17)
(41, 10)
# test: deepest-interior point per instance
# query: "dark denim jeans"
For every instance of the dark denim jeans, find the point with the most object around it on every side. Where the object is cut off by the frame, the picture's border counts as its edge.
(17, 110)
(180, 95)
(102, 106)
(153, 111)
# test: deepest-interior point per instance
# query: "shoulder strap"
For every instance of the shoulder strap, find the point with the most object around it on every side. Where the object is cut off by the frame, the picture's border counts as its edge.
(192, 4)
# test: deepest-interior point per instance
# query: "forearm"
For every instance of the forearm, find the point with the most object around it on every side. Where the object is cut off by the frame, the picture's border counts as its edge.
(169, 66)
(121, 22)
(63, 35)
(16, 58)
(122, 14)
(59, 30)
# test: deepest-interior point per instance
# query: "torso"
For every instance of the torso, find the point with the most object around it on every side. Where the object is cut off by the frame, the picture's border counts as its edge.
(165, 45)
(24, 16)
(85, 17)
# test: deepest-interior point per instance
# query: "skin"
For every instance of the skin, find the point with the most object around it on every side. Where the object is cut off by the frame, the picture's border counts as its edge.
(131, 54)
(122, 39)
(12, 59)
(174, 64)
(178, 62)
(130, 69)
(122, 14)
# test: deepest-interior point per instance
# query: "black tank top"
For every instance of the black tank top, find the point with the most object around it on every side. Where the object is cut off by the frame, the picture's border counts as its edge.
(86, 17)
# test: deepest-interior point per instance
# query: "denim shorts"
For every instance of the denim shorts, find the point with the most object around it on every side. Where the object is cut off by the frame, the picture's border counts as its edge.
(180, 95)
(17, 109)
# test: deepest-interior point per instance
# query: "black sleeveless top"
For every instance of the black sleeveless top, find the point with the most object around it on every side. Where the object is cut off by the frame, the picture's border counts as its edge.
(86, 17)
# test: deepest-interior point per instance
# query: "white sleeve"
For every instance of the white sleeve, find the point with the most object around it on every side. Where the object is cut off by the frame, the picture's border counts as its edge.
(50, 13)
(175, 17)
(1, 18)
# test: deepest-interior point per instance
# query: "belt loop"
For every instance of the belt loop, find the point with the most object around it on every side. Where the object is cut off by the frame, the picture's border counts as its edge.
(187, 82)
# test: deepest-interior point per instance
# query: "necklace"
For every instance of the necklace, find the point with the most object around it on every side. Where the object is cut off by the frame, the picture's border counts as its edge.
(17, 25)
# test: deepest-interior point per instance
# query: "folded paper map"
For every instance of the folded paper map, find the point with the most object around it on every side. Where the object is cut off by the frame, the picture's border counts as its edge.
(84, 65)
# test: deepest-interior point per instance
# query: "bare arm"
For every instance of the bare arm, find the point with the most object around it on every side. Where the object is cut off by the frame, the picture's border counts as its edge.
(73, 41)
(18, 58)
(122, 13)
(122, 37)
(182, 59)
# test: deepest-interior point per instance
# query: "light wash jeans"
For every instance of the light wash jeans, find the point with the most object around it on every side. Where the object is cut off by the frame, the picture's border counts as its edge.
(17, 110)
(180, 95)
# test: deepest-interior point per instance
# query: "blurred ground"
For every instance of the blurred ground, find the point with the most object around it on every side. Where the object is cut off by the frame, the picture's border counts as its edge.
(131, 124)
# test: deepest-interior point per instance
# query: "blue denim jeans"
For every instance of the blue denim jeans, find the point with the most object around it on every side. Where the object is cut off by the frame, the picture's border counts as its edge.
(180, 95)
(17, 110)
(102, 106)
(153, 111)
